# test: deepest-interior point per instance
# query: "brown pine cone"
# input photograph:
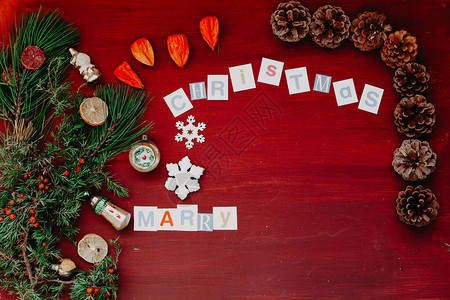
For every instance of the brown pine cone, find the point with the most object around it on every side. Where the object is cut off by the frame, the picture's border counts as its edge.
(414, 116)
(414, 160)
(369, 31)
(329, 26)
(400, 48)
(290, 22)
(411, 79)
(416, 206)
(7, 77)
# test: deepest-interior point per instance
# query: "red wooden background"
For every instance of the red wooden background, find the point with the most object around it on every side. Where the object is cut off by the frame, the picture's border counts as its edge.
(313, 182)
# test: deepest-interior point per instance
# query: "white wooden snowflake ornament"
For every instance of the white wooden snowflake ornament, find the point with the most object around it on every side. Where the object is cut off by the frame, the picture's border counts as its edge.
(183, 177)
(190, 132)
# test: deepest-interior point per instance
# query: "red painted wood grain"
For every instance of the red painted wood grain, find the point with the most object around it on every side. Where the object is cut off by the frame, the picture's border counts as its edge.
(313, 183)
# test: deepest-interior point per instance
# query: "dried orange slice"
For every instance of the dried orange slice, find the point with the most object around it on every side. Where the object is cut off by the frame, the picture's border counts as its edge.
(32, 58)
(94, 111)
(92, 248)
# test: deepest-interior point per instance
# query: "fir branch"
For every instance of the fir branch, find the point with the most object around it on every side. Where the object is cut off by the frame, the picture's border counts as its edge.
(25, 257)
(98, 277)
(54, 281)
(4, 255)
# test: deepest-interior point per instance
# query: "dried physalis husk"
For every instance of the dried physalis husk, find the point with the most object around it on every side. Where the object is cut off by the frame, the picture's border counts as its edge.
(178, 48)
(125, 73)
(209, 28)
(142, 50)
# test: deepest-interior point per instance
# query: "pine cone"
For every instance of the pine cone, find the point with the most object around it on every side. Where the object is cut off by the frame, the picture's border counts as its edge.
(414, 160)
(399, 49)
(414, 116)
(290, 22)
(7, 77)
(369, 31)
(329, 26)
(417, 206)
(411, 79)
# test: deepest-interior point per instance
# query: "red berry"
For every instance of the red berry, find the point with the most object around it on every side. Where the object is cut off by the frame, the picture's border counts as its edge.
(32, 211)
(1, 219)
(41, 186)
(46, 187)
(66, 173)
(111, 270)
(11, 202)
(96, 291)
(25, 176)
(12, 216)
(21, 195)
(78, 169)
(36, 225)
(108, 294)
(45, 180)
(44, 244)
(7, 211)
(40, 177)
(81, 161)
(30, 172)
(14, 193)
(32, 219)
(89, 290)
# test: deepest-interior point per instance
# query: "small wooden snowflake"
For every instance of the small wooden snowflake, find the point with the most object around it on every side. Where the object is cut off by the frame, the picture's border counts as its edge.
(190, 132)
(183, 177)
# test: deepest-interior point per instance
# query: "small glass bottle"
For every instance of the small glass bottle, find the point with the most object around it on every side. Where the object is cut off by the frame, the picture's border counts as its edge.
(115, 215)
(145, 156)
(65, 269)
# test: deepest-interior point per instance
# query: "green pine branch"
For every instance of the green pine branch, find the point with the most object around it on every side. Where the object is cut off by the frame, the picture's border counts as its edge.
(20, 99)
(45, 170)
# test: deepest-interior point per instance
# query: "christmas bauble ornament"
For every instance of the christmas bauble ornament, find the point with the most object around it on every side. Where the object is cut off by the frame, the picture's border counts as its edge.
(144, 156)
(115, 215)
(65, 268)
(82, 62)
(92, 248)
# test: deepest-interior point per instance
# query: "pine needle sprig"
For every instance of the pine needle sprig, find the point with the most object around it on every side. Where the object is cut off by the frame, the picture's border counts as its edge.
(19, 97)
(124, 125)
